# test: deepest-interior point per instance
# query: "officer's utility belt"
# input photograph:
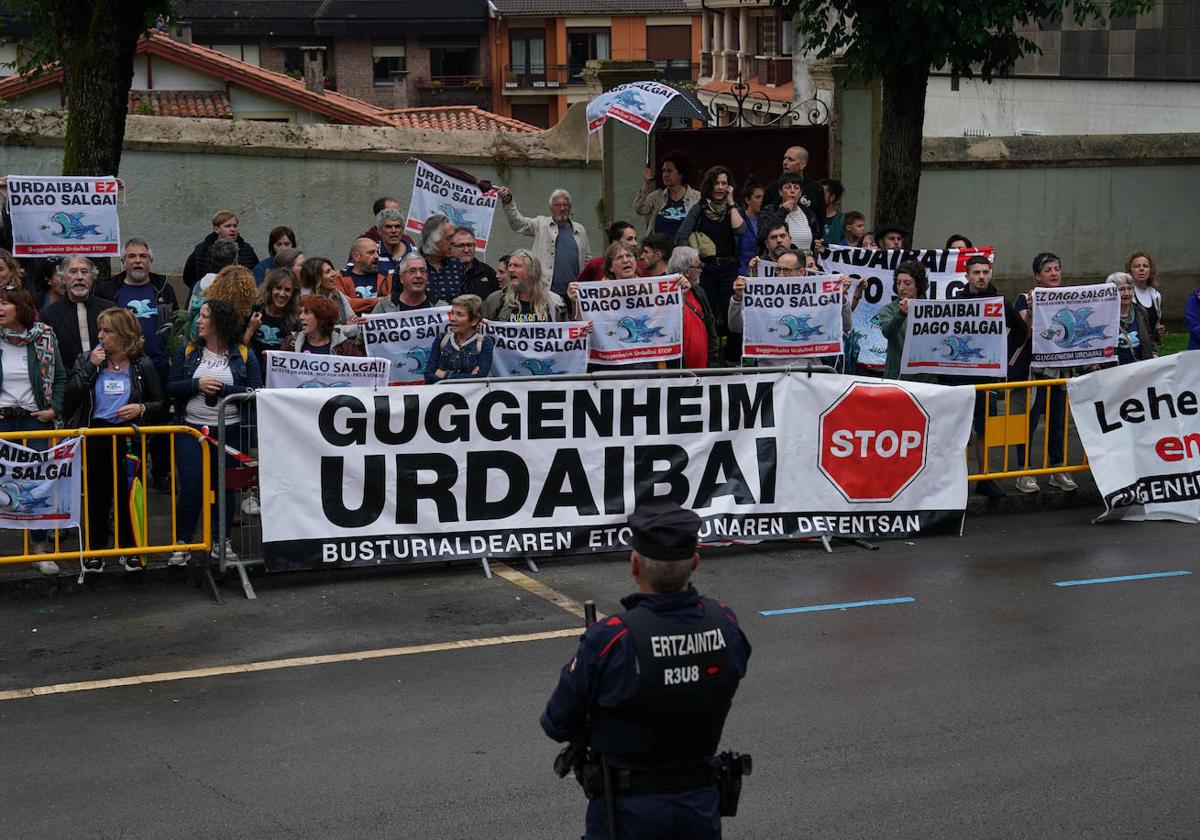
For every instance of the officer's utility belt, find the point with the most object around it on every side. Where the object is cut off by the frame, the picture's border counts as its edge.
(663, 781)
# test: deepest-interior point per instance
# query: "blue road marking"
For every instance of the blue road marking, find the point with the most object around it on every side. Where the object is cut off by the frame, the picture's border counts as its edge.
(845, 606)
(1120, 579)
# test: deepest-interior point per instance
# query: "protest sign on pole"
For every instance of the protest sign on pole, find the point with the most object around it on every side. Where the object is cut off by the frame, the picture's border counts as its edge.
(60, 216)
(636, 104)
(633, 320)
(963, 337)
(465, 205)
(40, 489)
(538, 348)
(946, 267)
(405, 339)
(546, 466)
(1140, 426)
(311, 370)
(792, 317)
(1075, 325)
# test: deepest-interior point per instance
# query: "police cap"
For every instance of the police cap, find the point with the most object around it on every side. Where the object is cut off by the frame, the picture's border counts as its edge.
(664, 531)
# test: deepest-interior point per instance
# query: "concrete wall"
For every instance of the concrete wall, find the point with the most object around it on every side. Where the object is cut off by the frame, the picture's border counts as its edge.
(1060, 106)
(319, 179)
(1091, 200)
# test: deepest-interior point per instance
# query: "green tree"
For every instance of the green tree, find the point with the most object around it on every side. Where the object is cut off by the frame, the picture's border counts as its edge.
(899, 42)
(95, 40)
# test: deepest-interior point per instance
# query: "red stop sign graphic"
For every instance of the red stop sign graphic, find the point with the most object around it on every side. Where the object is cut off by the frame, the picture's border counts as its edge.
(873, 441)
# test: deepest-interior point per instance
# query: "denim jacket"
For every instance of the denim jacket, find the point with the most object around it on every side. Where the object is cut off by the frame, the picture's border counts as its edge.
(458, 364)
(182, 385)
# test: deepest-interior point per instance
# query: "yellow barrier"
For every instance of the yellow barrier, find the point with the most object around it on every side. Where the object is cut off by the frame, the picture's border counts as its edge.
(1009, 426)
(142, 432)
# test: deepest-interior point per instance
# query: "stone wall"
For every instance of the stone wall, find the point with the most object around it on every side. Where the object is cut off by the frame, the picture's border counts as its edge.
(321, 180)
(1090, 199)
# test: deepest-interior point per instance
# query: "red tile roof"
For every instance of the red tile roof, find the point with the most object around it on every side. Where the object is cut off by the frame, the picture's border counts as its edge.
(330, 104)
(457, 117)
(213, 104)
(334, 106)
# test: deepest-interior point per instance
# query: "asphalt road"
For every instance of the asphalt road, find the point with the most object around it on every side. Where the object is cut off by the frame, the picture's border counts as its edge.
(995, 704)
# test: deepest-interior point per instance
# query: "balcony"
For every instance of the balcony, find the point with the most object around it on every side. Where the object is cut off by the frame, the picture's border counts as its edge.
(433, 91)
(731, 65)
(677, 70)
(523, 77)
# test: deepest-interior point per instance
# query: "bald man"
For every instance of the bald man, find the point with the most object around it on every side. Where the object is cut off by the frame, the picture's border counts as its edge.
(361, 281)
(795, 160)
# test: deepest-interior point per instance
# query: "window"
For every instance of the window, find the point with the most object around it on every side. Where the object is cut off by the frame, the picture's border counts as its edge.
(527, 52)
(787, 29)
(293, 61)
(386, 60)
(584, 45)
(242, 52)
(453, 61)
(8, 59)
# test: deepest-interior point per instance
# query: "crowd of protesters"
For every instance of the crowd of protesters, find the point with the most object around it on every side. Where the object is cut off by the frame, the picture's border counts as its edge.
(76, 352)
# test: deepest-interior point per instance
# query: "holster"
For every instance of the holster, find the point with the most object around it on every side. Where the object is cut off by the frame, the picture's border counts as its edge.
(731, 767)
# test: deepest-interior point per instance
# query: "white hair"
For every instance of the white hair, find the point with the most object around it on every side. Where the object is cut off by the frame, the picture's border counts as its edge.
(1120, 275)
(682, 258)
(558, 193)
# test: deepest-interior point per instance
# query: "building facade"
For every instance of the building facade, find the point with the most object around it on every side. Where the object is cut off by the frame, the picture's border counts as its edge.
(539, 49)
(395, 54)
(745, 43)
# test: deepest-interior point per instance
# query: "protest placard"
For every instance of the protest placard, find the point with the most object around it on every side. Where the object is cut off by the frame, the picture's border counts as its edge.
(405, 339)
(554, 467)
(60, 216)
(1140, 426)
(633, 320)
(1075, 325)
(313, 370)
(946, 267)
(40, 489)
(792, 317)
(465, 205)
(636, 104)
(962, 337)
(538, 349)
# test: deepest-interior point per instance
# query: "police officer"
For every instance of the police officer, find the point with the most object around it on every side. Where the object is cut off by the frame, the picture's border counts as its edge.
(648, 692)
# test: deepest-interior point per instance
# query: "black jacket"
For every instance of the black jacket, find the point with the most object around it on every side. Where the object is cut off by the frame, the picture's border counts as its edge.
(480, 279)
(197, 264)
(61, 316)
(810, 188)
(163, 290)
(144, 387)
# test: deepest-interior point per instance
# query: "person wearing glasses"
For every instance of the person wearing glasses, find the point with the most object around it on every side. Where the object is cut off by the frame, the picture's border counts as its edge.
(33, 382)
(479, 277)
(701, 345)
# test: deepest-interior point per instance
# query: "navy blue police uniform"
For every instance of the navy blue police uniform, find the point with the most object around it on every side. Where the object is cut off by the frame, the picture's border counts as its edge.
(651, 687)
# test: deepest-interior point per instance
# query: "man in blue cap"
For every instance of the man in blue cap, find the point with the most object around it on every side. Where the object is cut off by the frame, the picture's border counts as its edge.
(648, 691)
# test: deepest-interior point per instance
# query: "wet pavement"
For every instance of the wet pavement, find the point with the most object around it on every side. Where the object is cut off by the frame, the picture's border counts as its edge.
(992, 704)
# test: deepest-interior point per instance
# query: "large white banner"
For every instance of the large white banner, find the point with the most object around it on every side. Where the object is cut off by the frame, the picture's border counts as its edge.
(312, 370)
(963, 337)
(947, 269)
(40, 489)
(58, 216)
(792, 317)
(633, 320)
(549, 467)
(405, 339)
(538, 349)
(464, 204)
(1075, 325)
(636, 104)
(766, 268)
(1140, 427)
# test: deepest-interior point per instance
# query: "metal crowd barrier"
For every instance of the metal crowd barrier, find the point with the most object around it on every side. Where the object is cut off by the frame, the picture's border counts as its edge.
(1007, 423)
(158, 541)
